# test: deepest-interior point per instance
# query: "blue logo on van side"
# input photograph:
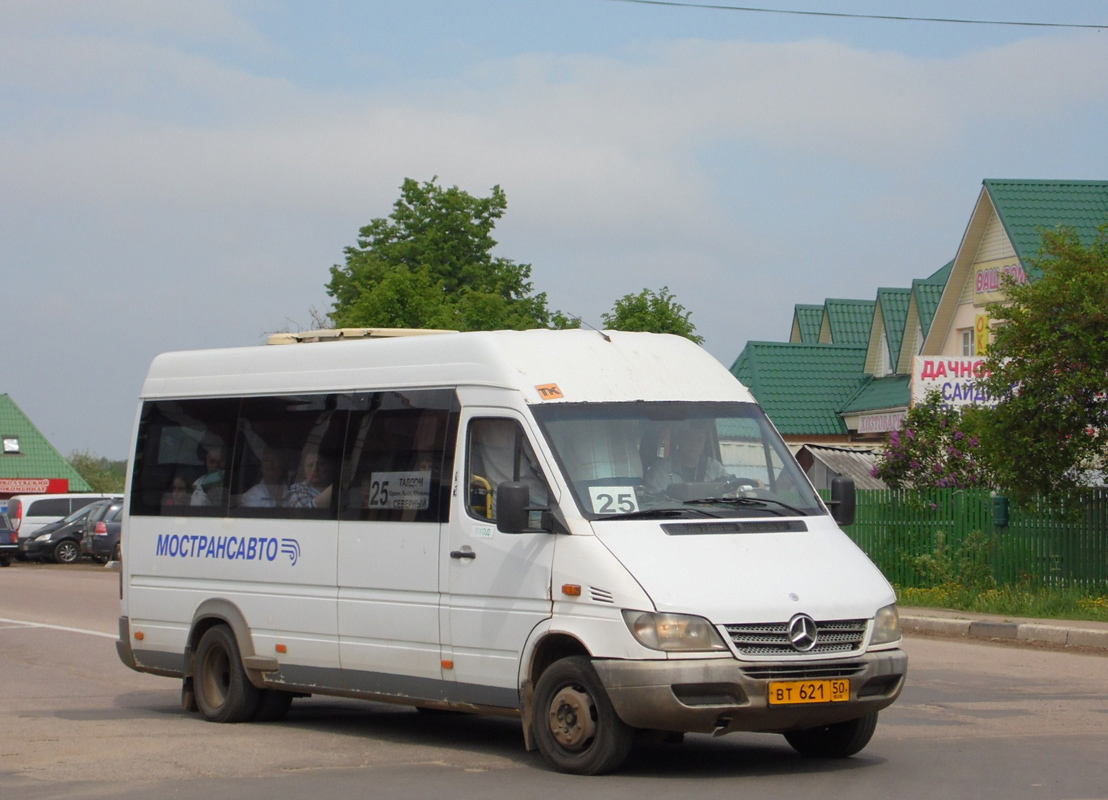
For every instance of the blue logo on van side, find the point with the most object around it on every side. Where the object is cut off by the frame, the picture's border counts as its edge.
(230, 548)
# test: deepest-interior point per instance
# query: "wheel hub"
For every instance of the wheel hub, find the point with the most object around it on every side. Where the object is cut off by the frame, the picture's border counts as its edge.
(571, 718)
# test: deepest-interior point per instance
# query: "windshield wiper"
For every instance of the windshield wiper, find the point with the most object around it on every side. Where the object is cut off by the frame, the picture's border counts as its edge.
(655, 513)
(746, 501)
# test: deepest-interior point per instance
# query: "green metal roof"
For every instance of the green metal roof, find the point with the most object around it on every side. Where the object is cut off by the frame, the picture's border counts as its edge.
(940, 275)
(802, 386)
(1026, 207)
(808, 319)
(894, 313)
(37, 458)
(892, 391)
(928, 292)
(850, 320)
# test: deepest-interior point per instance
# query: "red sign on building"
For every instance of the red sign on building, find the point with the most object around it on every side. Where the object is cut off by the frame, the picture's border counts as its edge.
(10, 486)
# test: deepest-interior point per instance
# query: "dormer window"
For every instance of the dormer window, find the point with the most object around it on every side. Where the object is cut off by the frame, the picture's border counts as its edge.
(11, 446)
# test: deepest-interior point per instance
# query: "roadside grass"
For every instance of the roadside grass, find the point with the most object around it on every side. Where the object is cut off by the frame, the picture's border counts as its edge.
(1014, 601)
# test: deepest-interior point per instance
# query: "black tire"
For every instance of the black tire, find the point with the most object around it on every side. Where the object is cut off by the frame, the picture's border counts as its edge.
(574, 724)
(223, 692)
(67, 551)
(841, 740)
(273, 705)
(5, 561)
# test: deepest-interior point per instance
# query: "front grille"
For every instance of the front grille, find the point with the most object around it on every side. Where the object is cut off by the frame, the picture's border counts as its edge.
(772, 638)
(804, 671)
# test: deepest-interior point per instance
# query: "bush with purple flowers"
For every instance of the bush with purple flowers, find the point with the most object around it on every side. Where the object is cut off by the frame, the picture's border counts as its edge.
(934, 448)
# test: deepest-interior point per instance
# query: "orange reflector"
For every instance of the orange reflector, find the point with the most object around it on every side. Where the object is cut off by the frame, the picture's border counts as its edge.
(282, 649)
(447, 664)
(139, 635)
(571, 590)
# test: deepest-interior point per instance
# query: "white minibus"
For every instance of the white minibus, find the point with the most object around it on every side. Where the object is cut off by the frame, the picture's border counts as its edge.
(596, 532)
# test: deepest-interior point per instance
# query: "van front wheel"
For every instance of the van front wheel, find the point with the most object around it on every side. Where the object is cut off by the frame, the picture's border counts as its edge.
(223, 692)
(841, 740)
(574, 724)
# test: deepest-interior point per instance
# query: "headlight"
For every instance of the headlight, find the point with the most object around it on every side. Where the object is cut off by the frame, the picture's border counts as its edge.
(45, 537)
(886, 625)
(672, 632)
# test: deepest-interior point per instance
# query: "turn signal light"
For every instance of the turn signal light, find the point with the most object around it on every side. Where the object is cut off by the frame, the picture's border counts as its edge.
(571, 590)
(140, 635)
(282, 649)
(447, 664)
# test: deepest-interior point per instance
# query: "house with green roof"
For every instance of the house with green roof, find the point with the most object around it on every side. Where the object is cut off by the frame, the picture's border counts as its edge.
(29, 464)
(943, 315)
(1002, 238)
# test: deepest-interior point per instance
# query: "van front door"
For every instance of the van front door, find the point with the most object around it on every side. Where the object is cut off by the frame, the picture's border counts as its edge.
(496, 585)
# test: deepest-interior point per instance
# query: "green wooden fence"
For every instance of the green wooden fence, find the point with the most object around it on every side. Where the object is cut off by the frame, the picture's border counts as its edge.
(1039, 545)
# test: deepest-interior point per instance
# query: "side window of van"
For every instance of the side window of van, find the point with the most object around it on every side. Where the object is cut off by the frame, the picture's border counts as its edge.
(399, 456)
(288, 451)
(497, 451)
(53, 507)
(184, 448)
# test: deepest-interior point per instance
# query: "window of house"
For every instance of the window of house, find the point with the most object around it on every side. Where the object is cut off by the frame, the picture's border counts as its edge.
(967, 342)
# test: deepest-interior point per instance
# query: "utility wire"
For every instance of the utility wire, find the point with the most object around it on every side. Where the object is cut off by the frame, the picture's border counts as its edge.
(841, 15)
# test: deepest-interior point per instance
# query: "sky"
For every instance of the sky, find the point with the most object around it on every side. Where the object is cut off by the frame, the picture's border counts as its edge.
(177, 176)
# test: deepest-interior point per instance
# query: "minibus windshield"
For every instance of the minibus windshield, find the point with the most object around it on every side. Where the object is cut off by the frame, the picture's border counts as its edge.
(639, 459)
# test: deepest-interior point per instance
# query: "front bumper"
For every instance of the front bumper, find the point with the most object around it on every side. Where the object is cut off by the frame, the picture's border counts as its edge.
(35, 550)
(723, 695)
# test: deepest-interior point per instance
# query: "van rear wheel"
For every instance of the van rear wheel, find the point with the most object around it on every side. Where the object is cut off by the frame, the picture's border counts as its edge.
(223, 692)
(841, 740)
(575, 726)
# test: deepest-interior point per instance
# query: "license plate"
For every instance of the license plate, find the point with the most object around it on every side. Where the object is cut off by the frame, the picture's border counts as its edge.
(783, 693)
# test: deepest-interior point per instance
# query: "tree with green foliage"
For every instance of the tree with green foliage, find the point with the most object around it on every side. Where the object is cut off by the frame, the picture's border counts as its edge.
(936, 448)
(429, 264)
(655, 312)
(102, 474)
(1048, 362)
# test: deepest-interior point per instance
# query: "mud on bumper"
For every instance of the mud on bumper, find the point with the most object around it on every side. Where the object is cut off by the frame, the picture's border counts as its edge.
(723, 695)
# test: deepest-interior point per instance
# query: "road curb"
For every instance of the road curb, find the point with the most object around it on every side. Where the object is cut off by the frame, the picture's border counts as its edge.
(1016, 631)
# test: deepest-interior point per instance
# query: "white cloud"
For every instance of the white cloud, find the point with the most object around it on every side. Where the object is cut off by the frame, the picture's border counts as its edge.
(213, 198)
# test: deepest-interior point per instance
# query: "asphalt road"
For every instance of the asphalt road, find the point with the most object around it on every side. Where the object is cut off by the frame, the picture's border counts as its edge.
(975, 720)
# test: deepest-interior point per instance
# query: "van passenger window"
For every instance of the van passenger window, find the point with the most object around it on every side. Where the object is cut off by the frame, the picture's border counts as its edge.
(287, 452)
(183, 443)
(399, 451)
(498, 451)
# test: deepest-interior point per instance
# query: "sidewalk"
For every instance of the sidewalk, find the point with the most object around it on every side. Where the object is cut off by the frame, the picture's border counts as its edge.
(945, 622)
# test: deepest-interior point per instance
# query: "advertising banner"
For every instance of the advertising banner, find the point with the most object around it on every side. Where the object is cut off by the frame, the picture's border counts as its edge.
(957, 379)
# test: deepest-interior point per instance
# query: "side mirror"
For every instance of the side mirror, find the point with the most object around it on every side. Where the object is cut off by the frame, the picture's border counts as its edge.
(512, 500)
(843, 500)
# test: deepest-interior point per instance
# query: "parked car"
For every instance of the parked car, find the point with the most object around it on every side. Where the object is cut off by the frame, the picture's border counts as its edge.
(97, 527)
(59, 541)
(9, 541)
(29, 512)
(102, 544)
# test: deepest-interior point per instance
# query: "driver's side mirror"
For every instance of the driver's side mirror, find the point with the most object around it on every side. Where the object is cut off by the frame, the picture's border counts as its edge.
(513, 510)
(843, 500)
(512, 500)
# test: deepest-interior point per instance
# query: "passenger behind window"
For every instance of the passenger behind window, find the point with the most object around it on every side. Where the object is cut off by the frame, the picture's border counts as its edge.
(178, 495)
(207, 490)
(314, 491)
(272, 489)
